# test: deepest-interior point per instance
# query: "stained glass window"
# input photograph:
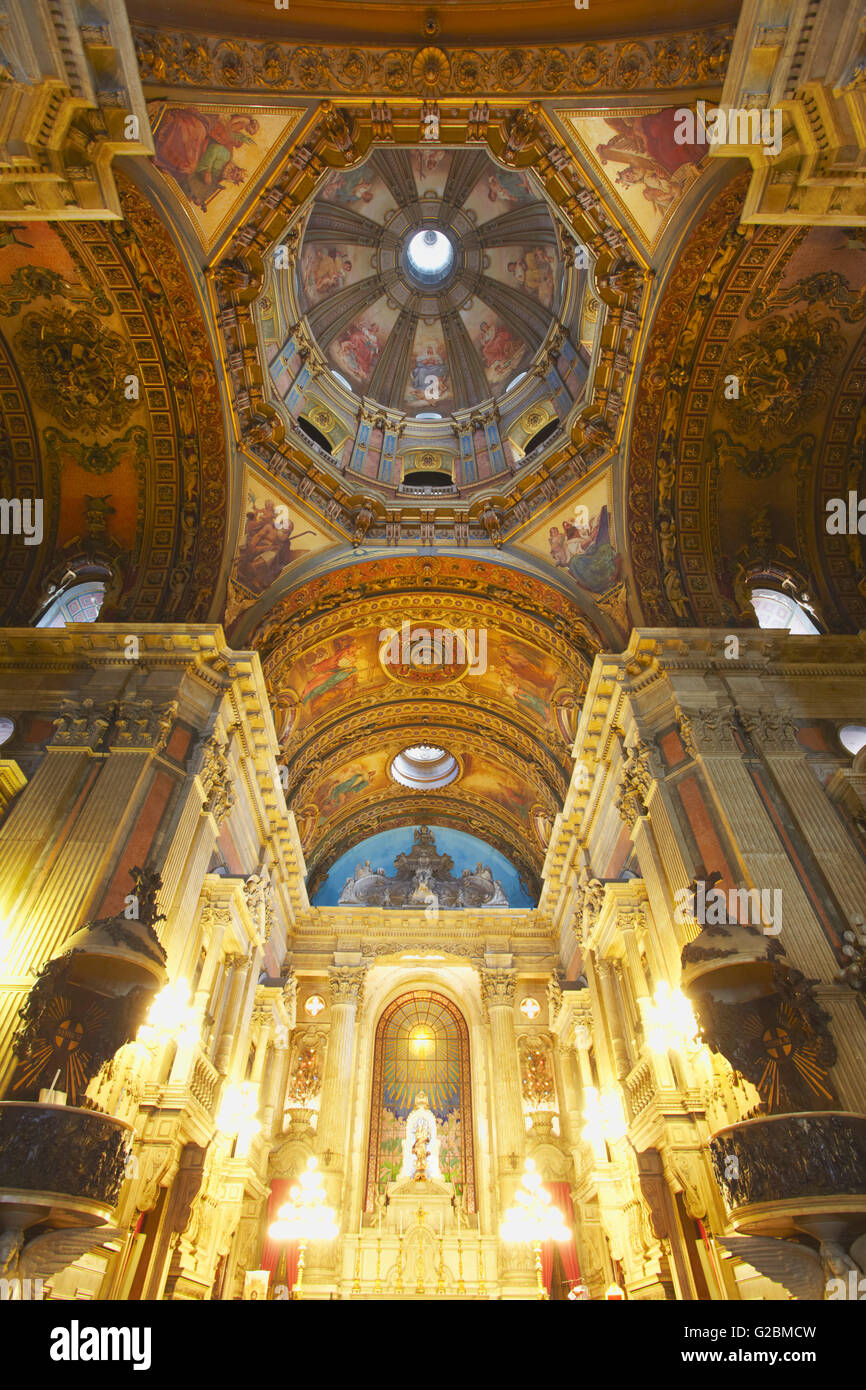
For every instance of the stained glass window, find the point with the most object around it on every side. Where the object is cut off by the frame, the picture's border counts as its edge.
(422, 1045)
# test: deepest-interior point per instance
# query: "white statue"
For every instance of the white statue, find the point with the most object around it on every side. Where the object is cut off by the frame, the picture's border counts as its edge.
(421, 1145)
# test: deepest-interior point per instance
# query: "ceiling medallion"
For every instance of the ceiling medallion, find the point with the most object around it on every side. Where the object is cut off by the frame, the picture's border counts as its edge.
(417, 655)
(431, 70)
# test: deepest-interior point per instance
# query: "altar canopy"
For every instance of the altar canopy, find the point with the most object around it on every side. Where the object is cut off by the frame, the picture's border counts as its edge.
(422, 1045)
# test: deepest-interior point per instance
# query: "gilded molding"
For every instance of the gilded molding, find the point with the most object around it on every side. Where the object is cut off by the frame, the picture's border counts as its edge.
(182, 59)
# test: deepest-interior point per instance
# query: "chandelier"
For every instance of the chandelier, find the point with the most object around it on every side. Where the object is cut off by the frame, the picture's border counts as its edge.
(305, 1217)
(533, 1219)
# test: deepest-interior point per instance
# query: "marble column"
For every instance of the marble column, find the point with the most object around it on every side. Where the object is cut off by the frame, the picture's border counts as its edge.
(231, 1015)
(497, 991)
(347, 986)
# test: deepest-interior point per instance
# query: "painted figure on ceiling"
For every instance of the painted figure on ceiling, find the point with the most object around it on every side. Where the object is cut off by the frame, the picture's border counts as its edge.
(585, 550)
(352, 187)
(197, 149)
(327, 272)
(330, 670)
(650, 156)
(430, 374)
(507, 186)
(267, 546)
(534, 273)
(499, 346)
(358, 347)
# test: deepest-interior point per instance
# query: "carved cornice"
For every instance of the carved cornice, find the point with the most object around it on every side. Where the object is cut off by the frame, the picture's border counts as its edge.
(182, 59)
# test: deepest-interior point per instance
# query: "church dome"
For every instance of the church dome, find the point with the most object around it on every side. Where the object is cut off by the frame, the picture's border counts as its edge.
(430, 278)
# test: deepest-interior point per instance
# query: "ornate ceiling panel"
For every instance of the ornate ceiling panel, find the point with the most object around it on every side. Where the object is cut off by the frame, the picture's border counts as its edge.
(450, 292)
(351, 688)
(111, 415)
(750, 416)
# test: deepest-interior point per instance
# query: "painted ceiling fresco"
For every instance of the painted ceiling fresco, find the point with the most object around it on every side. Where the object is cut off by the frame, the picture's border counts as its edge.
(111, 415)
(211, 155)
(637, 161)
(348, 697)
(434, 347)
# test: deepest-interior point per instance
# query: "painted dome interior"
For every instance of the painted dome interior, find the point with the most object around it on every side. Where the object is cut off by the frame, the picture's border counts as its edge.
(431, 284)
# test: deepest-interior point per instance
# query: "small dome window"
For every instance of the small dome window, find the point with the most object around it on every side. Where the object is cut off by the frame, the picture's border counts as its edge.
(775, 609)
(852, 737)
(80, 603)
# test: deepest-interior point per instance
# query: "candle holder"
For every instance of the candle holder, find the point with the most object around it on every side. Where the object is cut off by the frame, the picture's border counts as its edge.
(440, 1285)
(482, 1287)
(356, 1282)
(378, 1288)
(461, 1287)
(398, 1287)
(419, 1287)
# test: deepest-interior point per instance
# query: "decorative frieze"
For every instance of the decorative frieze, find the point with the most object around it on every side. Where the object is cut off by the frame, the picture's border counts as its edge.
(652, 64)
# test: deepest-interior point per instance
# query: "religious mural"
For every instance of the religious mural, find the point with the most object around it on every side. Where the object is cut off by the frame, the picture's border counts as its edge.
(357, 348)
(212, 155)
(528, 268)
(502, 351)
(362, 190)
(579, 541)
(430, 168)
(429, 384)
(499, 191)
(636, 157)
(274, 537)
(325, 269)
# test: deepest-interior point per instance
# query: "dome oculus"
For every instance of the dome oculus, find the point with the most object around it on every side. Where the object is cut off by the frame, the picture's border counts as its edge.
(424, 768)
(430, 256)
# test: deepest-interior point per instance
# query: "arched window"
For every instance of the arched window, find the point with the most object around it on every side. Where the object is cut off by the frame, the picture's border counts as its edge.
(80, 603)
(422, 1044)
(775, 609)
(853, 737)
(7, 728)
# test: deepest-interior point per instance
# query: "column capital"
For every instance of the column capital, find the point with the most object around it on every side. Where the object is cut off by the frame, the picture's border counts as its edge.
(347, 983)
(773, 730)
(498, 987)
(81, 724)
(711, 731)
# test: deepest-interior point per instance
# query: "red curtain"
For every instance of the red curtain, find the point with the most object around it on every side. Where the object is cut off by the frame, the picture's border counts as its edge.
(560, 1193)
(274, 1248)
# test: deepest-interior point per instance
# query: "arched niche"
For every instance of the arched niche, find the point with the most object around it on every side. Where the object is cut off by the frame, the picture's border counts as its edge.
(421, 1044)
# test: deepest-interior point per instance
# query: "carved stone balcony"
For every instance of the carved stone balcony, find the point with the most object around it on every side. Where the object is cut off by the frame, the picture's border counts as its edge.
(780, 1173)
